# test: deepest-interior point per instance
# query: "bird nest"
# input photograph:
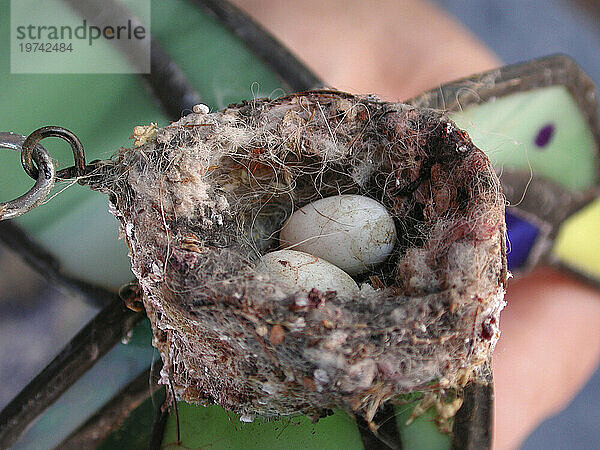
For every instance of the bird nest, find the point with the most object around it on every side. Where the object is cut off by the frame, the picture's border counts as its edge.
(200, 200)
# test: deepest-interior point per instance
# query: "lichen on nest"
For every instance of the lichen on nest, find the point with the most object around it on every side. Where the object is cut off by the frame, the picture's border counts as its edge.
(200, 200)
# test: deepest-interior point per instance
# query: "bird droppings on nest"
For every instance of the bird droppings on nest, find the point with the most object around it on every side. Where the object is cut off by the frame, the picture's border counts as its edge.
(201, 200)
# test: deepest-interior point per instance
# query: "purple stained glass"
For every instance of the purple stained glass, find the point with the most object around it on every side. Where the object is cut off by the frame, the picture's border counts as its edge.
(544, 135)
(521, 236)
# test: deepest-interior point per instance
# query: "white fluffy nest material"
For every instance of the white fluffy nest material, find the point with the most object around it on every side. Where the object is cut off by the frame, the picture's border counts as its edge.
(201, 199)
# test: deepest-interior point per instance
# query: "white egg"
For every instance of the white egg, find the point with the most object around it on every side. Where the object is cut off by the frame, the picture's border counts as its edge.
(307, 272)
(351, 231)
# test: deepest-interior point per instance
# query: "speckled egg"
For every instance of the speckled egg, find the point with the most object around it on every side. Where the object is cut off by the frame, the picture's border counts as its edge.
(308, 272)
(351, 231)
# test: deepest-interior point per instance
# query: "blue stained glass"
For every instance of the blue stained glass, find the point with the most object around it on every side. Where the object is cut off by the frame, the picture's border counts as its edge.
(521, 237)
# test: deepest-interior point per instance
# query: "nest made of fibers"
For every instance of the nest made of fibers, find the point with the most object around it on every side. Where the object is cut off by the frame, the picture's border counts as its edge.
(200, 200)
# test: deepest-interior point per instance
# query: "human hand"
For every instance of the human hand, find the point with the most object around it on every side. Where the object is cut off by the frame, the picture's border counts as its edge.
(550, 341)
(549, 347)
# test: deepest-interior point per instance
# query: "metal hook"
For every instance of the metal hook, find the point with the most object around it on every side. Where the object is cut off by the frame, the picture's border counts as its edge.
(44, 176)
(34, 138)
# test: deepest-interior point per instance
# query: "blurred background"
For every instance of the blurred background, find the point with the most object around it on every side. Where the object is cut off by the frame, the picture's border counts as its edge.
(36, 320)
(517, 31)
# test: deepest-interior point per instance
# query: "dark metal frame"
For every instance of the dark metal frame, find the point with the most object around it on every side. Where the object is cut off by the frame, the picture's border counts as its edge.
(110, 417)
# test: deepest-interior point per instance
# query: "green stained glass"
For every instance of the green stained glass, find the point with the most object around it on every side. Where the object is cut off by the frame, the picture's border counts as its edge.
(422, 432)
(212, 427)
(506, 128)
(102, 110)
